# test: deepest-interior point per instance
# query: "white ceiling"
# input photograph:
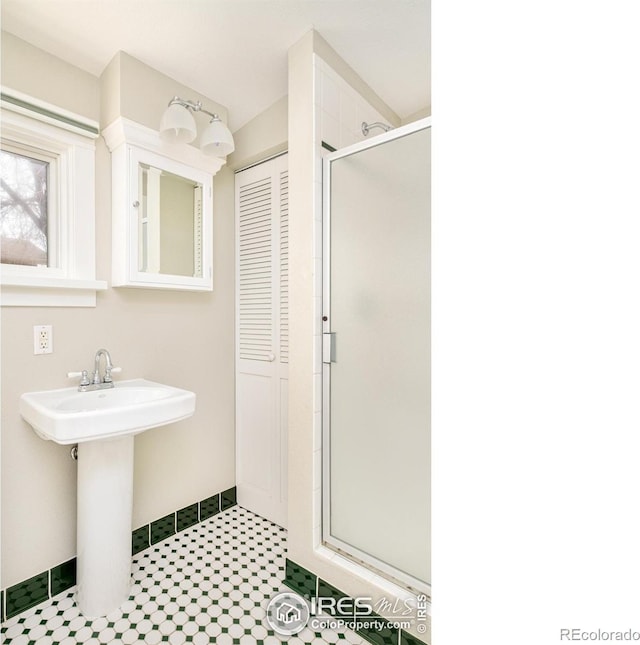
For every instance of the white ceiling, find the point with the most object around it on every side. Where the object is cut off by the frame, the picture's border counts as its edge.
(235, 51)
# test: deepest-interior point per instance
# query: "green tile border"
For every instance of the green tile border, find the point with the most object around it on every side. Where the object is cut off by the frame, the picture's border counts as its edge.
(308, 585)
(43, 586)
(187, 517)
(344, 609)
(62, 577)
(384, 636)
(209, 507)
(228, 498)
(27, 594)
(140, 539)
(409, 639)
(300, 579)
(163, 528)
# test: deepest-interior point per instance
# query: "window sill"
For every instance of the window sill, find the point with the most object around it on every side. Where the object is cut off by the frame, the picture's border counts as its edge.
(18, 291)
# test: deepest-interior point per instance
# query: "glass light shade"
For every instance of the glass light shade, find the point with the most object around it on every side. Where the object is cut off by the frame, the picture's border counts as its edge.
(217, 140)
(177, 125)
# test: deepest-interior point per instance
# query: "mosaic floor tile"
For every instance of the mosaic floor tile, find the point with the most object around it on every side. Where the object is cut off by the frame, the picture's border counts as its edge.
(208, 584)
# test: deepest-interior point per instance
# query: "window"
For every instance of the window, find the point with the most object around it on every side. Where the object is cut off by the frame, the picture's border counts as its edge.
(27, 206)
(47, 205)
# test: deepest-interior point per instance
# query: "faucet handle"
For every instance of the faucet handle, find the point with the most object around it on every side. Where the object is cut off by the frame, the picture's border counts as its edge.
(84, 377)
(110, 370)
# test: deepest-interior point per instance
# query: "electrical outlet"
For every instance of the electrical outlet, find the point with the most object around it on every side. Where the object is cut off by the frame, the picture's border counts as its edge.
(42, 339)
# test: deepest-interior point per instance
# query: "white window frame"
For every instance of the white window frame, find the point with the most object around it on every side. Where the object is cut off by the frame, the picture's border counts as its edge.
(30, 124)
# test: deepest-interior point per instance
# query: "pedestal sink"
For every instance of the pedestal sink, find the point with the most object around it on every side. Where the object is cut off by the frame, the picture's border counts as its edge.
(103, 423)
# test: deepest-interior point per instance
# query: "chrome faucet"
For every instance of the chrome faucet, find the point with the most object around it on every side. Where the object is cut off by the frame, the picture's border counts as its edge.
(96, 382)
(106, 381)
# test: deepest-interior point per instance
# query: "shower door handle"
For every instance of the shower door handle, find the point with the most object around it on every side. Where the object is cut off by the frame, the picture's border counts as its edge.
(329, 347)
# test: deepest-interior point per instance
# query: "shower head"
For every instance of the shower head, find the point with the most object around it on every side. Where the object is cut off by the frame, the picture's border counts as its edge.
(366, 127)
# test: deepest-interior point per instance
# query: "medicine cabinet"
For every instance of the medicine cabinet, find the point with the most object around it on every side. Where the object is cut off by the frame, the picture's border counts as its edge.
(162, 210)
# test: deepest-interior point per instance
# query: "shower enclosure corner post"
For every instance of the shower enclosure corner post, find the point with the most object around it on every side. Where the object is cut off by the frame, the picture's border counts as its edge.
(326, 364)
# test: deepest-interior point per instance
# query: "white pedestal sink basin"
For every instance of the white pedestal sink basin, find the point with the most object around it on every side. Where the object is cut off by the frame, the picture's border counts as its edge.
(102, 422)
(67, 416)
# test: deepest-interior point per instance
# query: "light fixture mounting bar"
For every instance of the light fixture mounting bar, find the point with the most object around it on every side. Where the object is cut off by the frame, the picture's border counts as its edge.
(196, 106)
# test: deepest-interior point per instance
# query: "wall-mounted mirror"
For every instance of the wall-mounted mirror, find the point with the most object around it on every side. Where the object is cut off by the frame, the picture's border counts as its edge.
(162, 211)
(169, 223)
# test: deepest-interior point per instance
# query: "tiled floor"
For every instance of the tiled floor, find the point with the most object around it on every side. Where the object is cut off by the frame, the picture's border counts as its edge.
(208, 584)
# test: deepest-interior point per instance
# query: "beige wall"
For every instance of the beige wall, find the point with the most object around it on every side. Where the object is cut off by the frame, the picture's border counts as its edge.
(140, 93)
(263, 136)
(183, 339)
(420, 114)
(37, 73)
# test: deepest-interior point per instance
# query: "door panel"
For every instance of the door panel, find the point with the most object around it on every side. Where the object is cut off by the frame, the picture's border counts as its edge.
(379, 380)
(262, 338)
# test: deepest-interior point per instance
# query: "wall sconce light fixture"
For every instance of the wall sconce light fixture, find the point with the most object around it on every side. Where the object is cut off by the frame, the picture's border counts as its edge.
(179, 126)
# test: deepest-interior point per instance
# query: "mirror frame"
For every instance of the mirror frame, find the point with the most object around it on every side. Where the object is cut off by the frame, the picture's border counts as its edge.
(138, 156)
(131, 144)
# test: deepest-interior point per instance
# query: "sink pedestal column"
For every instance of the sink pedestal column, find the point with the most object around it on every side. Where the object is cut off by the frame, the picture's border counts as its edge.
(105, 502)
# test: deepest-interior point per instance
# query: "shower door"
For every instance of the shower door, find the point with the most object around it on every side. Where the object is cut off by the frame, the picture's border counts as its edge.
(376, 353)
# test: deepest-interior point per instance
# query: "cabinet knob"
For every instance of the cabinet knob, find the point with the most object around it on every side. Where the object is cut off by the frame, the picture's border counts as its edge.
(136, 204)
(272, 357)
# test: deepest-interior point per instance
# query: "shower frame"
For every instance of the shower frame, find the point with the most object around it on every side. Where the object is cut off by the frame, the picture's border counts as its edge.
(353, 553)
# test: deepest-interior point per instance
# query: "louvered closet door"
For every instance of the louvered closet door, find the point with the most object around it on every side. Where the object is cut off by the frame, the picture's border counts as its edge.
(262, 338)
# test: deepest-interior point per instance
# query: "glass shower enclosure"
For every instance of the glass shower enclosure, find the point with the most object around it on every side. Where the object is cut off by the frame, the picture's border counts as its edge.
(377, 354)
